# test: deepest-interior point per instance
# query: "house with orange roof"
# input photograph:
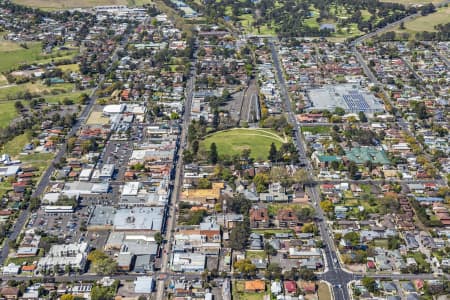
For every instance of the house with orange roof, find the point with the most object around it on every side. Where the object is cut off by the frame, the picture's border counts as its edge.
(254, 286)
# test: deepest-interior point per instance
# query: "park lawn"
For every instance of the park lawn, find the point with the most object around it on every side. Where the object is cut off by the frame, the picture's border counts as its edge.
(8, 113)
(232, 142)
(14, 147)
(15, 91)
(324, 291)
(427, 23)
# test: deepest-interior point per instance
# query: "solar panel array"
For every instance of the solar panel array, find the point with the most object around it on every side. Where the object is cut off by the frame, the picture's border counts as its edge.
(355, 102)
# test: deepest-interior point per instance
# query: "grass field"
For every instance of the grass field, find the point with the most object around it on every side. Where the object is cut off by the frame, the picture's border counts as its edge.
(317, 129)
(17, 55)
(427, 23)
(15, 146)
(231, 142)
(8, 113)
(14, 91)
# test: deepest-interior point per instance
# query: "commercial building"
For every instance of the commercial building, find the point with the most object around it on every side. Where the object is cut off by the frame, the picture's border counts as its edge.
(60, 256)
(350, 97)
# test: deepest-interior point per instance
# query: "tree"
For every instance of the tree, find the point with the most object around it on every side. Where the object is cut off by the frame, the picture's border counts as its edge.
(67, 297)
(339, 111)
(273, 153)
(216, 119)
(158, 238)
(307, 275)
(273, 271)
(261, 181)
(213, 156)
(204, 183)
(269, 249)
(369, 283)
(195, 146)
(239, 204)
(102, 263)
(18, 106)
(245, 267)
(83, 99)
(239, 236)
(327, 206)
(362, 117)
(352, 237)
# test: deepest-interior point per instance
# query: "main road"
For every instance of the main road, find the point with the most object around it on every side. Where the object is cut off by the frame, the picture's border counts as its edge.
(334, 274)
(45, 179)
(171, 219)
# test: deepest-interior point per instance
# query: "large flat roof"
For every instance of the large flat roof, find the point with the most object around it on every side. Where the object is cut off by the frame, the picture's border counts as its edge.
(139, 218)
(351, 97)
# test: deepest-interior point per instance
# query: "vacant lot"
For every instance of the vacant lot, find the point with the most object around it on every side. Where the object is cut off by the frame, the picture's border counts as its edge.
(96, 117)
(15, 146)
(8, 113)
(231, 142)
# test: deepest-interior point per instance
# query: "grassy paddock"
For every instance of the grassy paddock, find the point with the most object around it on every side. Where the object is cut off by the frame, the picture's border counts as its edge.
(427, 23)
(231, 142)
(8, 113)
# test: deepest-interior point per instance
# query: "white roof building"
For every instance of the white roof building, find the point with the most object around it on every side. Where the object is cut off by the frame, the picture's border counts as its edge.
(144, 285)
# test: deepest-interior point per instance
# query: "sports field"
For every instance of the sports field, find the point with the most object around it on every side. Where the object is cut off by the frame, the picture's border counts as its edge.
(231, 142)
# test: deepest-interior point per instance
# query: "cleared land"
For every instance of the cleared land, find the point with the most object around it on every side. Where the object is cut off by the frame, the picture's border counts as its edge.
(96, 117)
(14, 147)
(8, 113)
(231, 142)
(427, 23)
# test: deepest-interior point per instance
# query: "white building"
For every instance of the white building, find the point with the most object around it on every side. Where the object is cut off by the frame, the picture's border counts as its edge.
(73, 255)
